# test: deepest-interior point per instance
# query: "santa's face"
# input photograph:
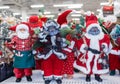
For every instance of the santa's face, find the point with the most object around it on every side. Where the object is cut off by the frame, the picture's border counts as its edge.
(94, 31)
(22, 33)
(52, 31)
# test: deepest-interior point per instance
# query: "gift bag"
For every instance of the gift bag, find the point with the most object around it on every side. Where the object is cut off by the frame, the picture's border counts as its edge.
(2, 71)
(104, 62)
(9, 69)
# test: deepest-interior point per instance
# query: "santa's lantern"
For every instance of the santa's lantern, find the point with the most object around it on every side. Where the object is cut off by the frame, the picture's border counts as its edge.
(108, 10)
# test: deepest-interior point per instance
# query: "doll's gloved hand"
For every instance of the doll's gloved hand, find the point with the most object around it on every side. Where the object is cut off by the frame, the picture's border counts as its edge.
(34, 52)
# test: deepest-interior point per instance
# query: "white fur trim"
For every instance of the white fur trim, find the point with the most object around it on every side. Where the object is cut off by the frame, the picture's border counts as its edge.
(83, 69)
(57, 76)
(53, 40)
(48, 77)
(82, 48)
(67, 49)
(99, 36)
(48, 54)
(72, 43)
(88, 13)
(104, 71)
(22, 26)
(59, 55)
(64, 26)
(115, 52)
(70, 47)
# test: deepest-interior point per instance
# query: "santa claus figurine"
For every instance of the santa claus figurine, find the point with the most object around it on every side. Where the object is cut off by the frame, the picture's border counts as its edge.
(93, 48)
(114, 56)
(66, 32)
(52, 52)
(23, 60)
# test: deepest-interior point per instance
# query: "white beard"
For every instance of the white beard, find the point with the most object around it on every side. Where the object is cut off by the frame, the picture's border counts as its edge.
(23, 35)
(94, 40)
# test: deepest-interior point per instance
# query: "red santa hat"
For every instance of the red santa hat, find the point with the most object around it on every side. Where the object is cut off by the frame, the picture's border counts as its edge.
(23, 25)
(0, 52)
(62, 18)
(91, 20)
(35, 21)
(13, 28)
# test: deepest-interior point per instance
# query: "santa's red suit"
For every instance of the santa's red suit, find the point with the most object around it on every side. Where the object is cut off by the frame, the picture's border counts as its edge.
(88, 60)
(23, 60)
(51, 52)
(52, 63)
(68, 63)
(114, 58)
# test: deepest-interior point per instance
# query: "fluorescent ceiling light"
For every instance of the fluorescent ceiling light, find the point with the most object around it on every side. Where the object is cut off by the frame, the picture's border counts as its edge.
(36, 6)
(99, 10)
(4, 7)
(47, 12)
(77, 11)
(76, 6)
(104, 3)
(75, 19)
(75, 15)
(65, 5)
(50, 16)
(16, 13)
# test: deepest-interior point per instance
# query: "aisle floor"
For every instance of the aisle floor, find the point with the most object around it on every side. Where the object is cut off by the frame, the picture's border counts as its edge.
(79, 78)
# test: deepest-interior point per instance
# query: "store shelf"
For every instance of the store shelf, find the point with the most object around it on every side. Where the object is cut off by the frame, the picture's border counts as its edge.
(79, 78)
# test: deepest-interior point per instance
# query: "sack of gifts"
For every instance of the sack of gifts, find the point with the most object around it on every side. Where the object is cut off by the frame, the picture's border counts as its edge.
(104, 62)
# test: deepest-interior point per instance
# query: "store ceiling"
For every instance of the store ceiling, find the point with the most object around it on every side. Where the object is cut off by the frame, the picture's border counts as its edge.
(17, 5)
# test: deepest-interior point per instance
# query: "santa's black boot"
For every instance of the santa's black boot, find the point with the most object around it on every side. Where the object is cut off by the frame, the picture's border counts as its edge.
(119, 71)
(97, 77)
(88, 78)
(18, 79)
(59, 81)
(112, 72)
(29, 78)
(47, 81)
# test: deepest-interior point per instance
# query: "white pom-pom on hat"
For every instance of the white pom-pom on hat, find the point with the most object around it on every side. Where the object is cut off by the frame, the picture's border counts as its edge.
(88, 13)
(73, 11)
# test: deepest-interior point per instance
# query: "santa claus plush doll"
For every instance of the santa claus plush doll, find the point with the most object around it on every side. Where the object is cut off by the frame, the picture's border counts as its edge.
(23, 59)
(93, 48)
(52, 52)
(67, 33)
(114, 56)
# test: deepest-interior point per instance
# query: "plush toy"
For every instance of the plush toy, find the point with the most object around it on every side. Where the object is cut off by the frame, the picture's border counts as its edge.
(21, 43)
(114, 59)
(93, 48)
(67, 32)
(51, 53)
